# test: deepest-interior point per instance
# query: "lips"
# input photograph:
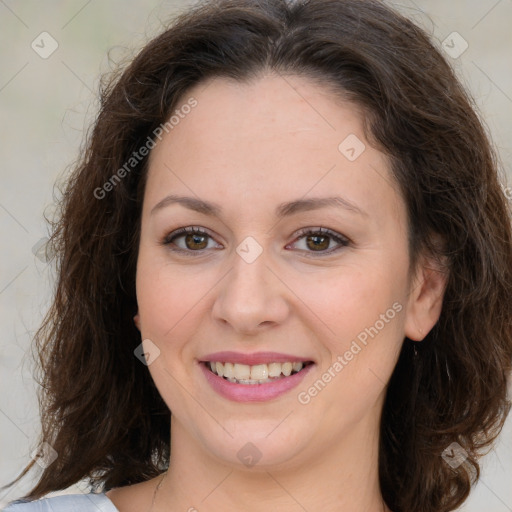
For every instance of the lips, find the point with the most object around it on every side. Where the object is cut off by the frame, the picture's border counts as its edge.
(257, 392)
(251, 390)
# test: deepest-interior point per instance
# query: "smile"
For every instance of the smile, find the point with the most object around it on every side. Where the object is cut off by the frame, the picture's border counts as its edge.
(238, 385)
(255, 374)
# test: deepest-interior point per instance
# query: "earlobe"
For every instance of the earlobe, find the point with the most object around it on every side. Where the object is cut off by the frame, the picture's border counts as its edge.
(425, 300)
(136, 319)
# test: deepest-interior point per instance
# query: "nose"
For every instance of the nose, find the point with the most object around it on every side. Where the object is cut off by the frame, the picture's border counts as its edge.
(251, 298)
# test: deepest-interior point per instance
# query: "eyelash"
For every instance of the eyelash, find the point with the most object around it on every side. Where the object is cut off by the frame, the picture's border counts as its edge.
(343, 241)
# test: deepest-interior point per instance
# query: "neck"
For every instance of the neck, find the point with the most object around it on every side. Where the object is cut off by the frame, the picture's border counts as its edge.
(341, 476)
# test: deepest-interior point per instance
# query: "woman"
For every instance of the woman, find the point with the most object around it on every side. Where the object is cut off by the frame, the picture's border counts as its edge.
(284, 275)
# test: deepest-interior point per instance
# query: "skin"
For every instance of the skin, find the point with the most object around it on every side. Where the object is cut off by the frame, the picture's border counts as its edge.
(249, 147)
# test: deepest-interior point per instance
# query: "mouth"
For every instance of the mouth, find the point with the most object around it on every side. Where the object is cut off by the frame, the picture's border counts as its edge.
(257, 374)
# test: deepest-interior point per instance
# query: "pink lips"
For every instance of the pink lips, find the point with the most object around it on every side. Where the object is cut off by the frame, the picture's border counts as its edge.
(253, 392)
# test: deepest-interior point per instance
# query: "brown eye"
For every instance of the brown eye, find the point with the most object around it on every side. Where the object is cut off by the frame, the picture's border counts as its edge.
(196, 241)
(321, 241)
(189, 240)
(316, 242)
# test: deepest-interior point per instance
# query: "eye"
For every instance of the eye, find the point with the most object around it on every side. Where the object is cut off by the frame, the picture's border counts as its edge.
(193, 239)
(320, 241)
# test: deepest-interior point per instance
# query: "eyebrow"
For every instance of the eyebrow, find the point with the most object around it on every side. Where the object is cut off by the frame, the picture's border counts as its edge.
(282, 210)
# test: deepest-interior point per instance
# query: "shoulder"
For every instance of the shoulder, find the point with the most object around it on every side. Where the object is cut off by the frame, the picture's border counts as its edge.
(64, 503)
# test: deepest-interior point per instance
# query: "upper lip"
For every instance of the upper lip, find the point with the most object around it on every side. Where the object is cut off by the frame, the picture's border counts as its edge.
(253, 359)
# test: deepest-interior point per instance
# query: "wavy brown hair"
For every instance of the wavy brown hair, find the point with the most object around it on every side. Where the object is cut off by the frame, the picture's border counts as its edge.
(100, 409)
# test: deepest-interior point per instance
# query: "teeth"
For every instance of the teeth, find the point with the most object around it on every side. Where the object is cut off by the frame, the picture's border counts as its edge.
(274, 369)
(257, 374)
(229, 370)
(297, 367)
(287, 369)
(241, 371)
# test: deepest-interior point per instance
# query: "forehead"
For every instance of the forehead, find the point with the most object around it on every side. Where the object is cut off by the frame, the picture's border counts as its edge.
(291, 107)
(273, 139)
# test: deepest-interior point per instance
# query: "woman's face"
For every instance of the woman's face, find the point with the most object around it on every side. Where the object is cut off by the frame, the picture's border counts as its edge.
(263, 156)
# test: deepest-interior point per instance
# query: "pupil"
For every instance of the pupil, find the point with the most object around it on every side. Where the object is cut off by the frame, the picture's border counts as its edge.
(317, 244)
(195, 239)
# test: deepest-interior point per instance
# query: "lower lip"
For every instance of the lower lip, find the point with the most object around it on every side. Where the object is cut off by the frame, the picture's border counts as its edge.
(253, 392)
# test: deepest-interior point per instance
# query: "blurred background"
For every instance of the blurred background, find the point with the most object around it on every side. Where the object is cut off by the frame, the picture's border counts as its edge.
(52, 55)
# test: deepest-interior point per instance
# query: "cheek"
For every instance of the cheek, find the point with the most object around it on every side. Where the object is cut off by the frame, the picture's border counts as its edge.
(367, 351)
(350, 299)
(363, 357)
(170, 306)
(169, 297)
(359, 312)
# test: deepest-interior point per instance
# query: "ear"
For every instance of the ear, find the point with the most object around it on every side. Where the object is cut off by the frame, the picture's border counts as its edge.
(136, 319)
(425, 298)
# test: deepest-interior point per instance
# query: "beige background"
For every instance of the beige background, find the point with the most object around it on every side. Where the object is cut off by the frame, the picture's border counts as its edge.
(47, 103)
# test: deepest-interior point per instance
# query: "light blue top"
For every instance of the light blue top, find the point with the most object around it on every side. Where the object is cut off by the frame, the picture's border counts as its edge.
(91, 502)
